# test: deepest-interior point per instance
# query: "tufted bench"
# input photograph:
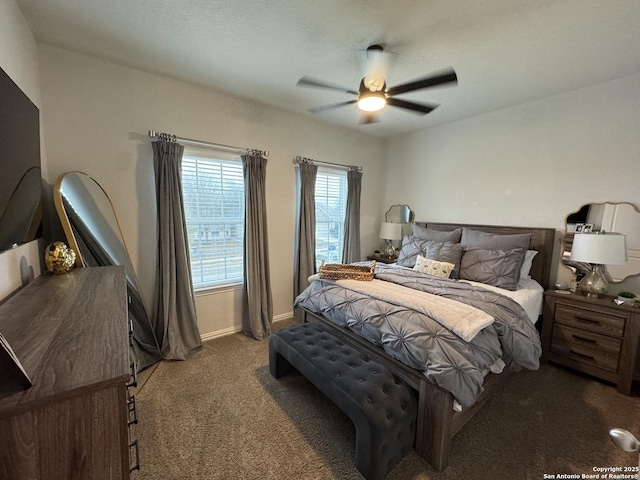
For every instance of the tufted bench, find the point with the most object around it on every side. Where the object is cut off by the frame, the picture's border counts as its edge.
(381, 406)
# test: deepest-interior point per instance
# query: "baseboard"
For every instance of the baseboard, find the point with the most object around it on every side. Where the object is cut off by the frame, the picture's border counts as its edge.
(219, 333)
(237, 328)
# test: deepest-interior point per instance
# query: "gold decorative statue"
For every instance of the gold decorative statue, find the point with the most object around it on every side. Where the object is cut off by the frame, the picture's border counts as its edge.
(59, 258)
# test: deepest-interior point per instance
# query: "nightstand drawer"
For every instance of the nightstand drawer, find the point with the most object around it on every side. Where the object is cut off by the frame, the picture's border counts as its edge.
(586, 347)
(590, 320)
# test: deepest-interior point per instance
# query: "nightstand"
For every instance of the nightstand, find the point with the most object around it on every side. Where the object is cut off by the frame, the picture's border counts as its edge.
(592, 335)
(382, 259)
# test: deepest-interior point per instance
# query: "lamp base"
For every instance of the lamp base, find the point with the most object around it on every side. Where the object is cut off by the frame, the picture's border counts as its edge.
(390, 250)
(595, 284)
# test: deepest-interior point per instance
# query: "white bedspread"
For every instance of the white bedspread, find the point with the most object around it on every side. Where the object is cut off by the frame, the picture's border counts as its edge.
(528, 293)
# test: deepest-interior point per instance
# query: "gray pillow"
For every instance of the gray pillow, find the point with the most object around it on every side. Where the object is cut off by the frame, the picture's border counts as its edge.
(499, 268)
(492, 241)
(445, 252)
(424, 233)
(411, 248)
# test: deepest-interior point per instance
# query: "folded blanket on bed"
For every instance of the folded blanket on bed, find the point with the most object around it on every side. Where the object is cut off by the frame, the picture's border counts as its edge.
(463, 320)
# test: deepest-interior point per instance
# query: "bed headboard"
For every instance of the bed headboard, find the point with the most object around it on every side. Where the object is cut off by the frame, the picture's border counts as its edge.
(542, 240)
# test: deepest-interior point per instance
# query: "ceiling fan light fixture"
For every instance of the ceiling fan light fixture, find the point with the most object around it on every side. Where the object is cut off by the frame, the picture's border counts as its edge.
(371, 102)
(373, 94)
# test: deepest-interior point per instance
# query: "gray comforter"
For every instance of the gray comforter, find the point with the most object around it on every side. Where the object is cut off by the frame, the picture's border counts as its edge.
(422, 343)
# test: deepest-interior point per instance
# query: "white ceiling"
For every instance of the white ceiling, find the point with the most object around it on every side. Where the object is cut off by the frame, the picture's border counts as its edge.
(505, 52)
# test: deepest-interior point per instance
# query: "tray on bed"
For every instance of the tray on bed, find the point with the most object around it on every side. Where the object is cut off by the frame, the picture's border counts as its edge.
(342, 271)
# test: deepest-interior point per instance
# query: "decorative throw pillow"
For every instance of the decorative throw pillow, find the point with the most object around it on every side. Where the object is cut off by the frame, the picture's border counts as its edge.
(492, 241)
(425, 233)
(433, 267)
(411, 248)
(499, 268)
(445, 252)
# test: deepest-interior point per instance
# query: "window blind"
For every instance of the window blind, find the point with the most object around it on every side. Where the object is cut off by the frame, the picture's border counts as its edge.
(331, 206)
(213, 192)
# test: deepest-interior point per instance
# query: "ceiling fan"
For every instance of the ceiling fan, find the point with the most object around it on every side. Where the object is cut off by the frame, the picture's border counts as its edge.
(373, 94)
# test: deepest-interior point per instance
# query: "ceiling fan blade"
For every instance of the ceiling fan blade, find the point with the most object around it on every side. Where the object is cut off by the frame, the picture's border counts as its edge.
(432, 81)
(369, 118)
(311, 82)
(330, 106)
(420, 108)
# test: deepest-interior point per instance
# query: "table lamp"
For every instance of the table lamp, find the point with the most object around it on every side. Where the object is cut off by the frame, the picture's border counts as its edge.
(390, 232)
(598, 249)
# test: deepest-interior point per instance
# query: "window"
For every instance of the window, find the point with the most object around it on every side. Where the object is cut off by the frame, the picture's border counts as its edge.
(213, 193)
(331, 207)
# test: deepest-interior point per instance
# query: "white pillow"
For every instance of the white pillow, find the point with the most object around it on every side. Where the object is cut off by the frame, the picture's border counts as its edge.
(525, 270)
(433, 267)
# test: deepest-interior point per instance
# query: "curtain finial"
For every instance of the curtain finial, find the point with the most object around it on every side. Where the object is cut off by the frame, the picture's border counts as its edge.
(256, 152)
(165, 137)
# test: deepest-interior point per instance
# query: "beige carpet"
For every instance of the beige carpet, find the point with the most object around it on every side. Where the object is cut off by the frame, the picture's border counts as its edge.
(220, 415)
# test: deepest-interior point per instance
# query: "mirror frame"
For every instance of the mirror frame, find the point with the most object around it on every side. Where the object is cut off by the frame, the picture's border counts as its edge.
(66, 223)
(566, 233)
(411, 213)
(406, 226)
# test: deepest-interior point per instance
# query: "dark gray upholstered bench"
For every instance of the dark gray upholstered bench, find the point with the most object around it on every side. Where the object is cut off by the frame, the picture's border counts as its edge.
(381, 406)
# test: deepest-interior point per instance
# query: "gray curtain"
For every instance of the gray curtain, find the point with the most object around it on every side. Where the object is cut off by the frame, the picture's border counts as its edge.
(258, 304)
(304, 264)
(175, 314)
(351, 250)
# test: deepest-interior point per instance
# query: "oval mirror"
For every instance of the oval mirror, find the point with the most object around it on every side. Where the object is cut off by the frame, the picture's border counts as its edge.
(611, 217)
(92, 230)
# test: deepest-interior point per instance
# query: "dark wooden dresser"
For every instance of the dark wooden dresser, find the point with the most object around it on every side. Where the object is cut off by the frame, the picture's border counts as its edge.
(70, 333)
(592, 335)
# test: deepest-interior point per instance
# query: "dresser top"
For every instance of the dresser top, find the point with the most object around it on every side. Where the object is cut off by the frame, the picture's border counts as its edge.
(69, 332)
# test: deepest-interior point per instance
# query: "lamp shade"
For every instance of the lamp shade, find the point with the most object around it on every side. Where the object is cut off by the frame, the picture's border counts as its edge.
(391, 231)
(599, 248)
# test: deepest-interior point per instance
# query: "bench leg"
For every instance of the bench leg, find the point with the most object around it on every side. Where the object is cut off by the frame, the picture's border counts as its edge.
(280, 366)
(365, 458)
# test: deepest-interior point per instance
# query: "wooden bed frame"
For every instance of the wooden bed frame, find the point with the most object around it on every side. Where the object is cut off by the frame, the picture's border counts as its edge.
(437, 421)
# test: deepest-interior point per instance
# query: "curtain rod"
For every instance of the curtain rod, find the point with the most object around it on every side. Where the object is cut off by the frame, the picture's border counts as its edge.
(229, 148)
(299, 160)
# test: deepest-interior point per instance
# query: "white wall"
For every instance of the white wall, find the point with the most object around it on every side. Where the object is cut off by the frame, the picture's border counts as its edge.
(97, 116)
(526, 165)
(19, 59)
